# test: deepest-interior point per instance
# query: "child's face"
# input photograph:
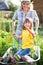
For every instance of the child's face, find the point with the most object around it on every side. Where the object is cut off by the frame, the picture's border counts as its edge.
(27, 24)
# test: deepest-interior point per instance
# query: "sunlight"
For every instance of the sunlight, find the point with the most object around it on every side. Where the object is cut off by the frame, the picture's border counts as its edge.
(16, 2)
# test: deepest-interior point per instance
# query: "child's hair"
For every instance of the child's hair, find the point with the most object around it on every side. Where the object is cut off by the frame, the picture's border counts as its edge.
(27, 20)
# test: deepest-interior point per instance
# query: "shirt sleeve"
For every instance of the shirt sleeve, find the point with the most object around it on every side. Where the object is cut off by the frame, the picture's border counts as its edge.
(35, 16)
(15, 16)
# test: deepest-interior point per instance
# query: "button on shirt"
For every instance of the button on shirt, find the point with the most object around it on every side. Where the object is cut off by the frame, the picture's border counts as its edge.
(20, 16)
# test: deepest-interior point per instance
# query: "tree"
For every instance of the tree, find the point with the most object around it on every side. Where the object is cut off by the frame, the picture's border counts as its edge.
(12, 7)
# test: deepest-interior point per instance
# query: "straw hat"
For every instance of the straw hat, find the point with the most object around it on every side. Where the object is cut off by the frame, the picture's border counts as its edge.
(25, 0)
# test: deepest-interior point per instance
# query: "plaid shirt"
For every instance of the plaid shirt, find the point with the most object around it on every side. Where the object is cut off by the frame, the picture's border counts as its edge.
(20, 16)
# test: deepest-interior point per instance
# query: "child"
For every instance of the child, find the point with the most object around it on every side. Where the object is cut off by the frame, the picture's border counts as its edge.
(27, 39)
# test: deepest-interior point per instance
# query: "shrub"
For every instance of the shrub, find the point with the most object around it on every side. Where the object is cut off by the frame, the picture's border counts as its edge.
(6, 41)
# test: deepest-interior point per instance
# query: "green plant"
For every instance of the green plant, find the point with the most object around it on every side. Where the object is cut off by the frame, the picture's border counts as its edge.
(40, 44)
(6, 41)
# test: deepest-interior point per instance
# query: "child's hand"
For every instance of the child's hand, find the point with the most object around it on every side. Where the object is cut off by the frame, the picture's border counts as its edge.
(16, 36)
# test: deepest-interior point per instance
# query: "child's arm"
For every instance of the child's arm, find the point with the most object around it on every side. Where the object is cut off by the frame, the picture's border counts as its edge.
(30, 31)
(34, 35)
(17, 36)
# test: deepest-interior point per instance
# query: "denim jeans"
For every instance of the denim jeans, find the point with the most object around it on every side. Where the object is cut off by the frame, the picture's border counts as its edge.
(23, 52)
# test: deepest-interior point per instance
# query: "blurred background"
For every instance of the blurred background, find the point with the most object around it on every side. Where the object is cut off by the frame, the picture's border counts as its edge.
(7, 9)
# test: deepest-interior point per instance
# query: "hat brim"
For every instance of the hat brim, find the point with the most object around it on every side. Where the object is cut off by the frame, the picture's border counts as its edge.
(25, 1)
